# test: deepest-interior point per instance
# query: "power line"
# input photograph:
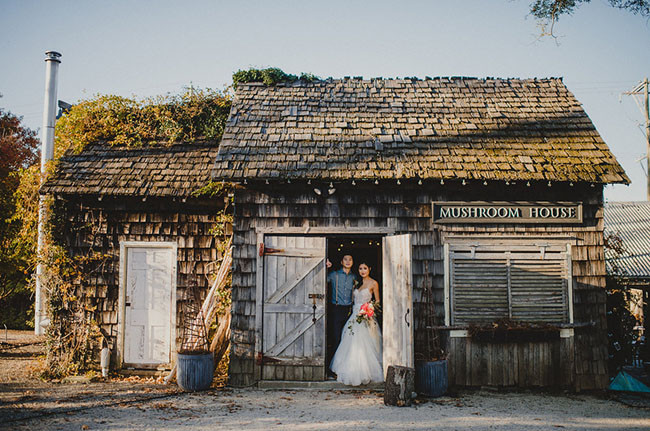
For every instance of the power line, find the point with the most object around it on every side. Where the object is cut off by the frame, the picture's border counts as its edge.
(642, 89)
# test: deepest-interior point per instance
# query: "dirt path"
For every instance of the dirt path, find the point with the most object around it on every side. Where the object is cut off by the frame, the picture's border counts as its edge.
(23, 395)
(27, 403)
(326, 410)
(18, 353)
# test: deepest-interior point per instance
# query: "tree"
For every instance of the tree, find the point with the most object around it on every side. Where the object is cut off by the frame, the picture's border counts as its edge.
(620, 320)
(18, 151)
(549, 11)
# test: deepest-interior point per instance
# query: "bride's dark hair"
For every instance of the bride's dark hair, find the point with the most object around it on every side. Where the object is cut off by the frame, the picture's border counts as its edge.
(363, 262)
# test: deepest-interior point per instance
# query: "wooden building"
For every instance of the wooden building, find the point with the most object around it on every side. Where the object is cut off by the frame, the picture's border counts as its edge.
(133, 212)
(488, 191)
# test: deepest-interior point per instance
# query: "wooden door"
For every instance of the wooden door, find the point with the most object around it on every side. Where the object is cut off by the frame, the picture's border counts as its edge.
(397, 301)
(148, 306)
(294, 296)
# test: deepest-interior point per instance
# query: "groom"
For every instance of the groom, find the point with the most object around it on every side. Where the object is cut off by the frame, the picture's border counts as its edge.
(341, 283)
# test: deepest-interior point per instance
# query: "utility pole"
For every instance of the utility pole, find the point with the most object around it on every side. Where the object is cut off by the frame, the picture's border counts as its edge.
(642, 88)
(646, 105)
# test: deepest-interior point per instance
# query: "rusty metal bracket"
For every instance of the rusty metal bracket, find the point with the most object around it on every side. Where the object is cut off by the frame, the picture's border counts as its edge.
(261, 359)
(263, 250)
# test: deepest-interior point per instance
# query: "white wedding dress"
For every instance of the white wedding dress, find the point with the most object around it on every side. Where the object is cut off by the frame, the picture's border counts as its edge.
(358, 359)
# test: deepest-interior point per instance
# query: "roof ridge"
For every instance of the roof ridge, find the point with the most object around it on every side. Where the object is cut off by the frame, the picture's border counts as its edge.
(450, 78)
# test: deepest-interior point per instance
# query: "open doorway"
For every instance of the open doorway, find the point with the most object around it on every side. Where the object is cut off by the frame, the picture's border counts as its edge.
(367, 249)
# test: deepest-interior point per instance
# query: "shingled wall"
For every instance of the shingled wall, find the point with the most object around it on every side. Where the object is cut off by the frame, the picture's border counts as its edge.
(93, 226)
(407, 209)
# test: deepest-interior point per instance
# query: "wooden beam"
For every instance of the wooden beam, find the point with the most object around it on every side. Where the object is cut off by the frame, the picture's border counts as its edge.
(259, 310)
(447, 286)
(293, 308)
(293, 281)
(292, 335)
(326, 230)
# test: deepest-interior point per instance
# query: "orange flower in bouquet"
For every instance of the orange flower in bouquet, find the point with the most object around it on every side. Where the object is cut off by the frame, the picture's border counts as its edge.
(367, 311)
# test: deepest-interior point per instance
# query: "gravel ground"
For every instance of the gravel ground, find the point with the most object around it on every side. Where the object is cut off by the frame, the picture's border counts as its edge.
(18, 353)
(138, 404)
(326, 410)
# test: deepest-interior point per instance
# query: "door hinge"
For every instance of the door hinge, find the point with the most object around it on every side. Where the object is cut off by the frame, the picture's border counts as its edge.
(267, 250)
(261, 359)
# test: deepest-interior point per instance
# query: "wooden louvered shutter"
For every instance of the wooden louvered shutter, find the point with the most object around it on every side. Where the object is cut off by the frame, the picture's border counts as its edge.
(522, 282)
(539, 289)
(480, 289)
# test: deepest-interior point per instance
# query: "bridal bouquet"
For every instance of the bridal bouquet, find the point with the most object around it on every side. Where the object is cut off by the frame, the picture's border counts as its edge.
(367, 312)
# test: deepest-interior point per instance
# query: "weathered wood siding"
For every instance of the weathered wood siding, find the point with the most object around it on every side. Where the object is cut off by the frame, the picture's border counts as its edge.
(92, 226)
(523, 364)
(407, 209)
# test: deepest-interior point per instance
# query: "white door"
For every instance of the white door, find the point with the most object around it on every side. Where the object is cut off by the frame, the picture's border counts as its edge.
(148, 305)
(397, 301)
(293, 308)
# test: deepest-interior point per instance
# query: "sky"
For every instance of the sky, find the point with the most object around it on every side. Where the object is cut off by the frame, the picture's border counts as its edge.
(145, 48)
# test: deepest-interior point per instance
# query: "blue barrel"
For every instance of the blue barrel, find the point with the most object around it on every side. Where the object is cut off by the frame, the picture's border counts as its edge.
(431, 378)
(194, 372)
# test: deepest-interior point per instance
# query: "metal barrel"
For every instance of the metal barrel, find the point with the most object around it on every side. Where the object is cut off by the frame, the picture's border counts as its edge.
(194, 372)
(431, 378)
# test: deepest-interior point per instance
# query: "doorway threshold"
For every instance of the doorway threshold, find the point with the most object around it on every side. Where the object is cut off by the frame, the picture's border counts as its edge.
(322, 385)
(143, 372)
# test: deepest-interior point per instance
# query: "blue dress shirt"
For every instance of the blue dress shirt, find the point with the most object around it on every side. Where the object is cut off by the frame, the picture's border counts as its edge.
(341, 286)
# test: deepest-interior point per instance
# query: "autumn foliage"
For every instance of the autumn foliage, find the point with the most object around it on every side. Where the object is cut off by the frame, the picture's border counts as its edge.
(18, 151)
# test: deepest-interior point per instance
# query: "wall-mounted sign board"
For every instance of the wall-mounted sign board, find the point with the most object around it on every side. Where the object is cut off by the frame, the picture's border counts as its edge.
(507, 212)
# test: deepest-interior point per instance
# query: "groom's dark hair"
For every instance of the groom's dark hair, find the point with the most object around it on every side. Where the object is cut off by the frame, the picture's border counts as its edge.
(346, 253)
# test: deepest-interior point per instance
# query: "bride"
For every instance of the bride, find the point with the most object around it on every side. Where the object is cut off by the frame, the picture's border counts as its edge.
(358, 359)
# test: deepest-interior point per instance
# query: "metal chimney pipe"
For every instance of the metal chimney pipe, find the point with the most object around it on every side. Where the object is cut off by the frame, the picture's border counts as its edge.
(49, 106)
(47, 153)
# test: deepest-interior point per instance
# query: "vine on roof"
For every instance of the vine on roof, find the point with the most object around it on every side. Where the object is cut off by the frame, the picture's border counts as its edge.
(193, 115)
(269, 76)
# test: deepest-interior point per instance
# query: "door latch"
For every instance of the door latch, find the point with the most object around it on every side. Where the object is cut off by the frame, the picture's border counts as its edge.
(314, 297)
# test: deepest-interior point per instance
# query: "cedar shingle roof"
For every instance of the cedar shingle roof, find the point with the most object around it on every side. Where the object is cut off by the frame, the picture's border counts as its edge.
(151, 170)
(514, 129)
(631, 222)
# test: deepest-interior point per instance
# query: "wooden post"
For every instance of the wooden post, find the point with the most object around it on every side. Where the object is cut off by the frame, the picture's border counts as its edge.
(399, 386)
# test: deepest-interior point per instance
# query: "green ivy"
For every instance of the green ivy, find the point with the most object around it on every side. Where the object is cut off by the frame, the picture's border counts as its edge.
(270, 76)
(194, 115)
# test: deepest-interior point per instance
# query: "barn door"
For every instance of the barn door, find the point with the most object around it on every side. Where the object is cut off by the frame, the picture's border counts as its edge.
(397, 301)
(148, 305)
(293, 325)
